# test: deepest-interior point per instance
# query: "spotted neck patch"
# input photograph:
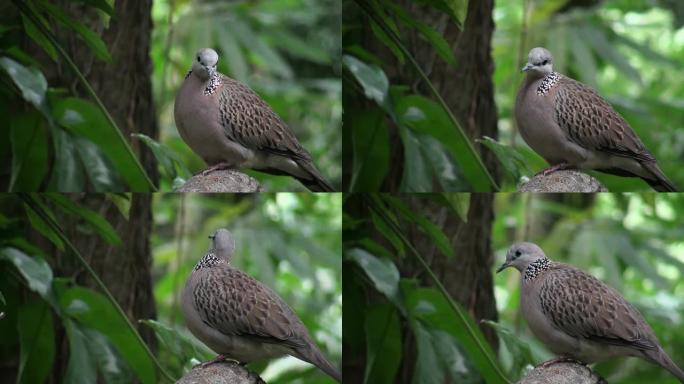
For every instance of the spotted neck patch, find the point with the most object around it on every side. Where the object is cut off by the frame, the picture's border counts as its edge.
(536, 267)
(548, 82)
(213, 84)
(209, 260)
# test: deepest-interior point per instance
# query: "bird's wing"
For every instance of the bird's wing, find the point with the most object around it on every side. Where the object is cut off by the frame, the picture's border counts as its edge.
(588, 120)
(248, 120)
(234, 303)
(582, 306)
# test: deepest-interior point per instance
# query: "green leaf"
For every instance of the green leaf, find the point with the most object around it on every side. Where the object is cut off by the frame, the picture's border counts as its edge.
(370, 136)
(102, 5)
(107, 360)
(82, 367)
(457, 9)
(29, 152)
(429, 228)
(67, 172)
(520, 351)
(371, 78)
(95, 220)
(91, 38)
(442, 165)
(596, 37)
(417, 176)
(42, 227)
(513, 161)
(270, 58)
(168, 160)
(230, 48)
(460, 204)
(95, 311)
(432, 308)
(30, 81)
(35, 271)
(177, 344)
(428, 369)
(383, 344)
(382, 272)
(426, 117)
(37, 339)
(84, 119)
(387, 232)
(98, 169)
(433, 37)
(34, 33)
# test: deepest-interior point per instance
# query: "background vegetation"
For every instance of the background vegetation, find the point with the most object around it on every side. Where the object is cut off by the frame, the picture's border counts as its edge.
(629, 50)
(429, 332)
(85, 112)
(57, 326)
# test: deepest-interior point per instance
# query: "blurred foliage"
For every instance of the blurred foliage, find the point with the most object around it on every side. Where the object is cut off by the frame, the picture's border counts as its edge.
(52, 141)
(632, 242)
(291, 242)
(631, 51)
(449, 343)
(288, 51)
(435, 146)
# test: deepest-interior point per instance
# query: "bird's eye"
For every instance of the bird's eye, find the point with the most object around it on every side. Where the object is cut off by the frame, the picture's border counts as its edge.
(517, 253)
(198, 60)
(545, 62)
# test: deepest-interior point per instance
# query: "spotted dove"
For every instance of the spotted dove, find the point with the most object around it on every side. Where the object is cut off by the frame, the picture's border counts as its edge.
(571, 126)
(230, 126)
(240, 318)
(579, 317)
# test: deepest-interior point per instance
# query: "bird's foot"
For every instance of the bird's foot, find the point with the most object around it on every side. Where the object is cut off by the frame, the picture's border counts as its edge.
(217, 359)
(559, 359)
(554, 168)
(216, 167)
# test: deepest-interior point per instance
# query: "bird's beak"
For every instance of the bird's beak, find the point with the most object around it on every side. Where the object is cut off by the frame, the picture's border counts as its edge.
(502, 267)
(527, 67)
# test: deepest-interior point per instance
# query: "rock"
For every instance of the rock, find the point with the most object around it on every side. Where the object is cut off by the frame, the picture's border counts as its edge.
(563, 181)
(562, 373)
(221, 373)
(221, 181)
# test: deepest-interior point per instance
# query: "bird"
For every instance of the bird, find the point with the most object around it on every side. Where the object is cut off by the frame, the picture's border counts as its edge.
(571, 126)
(230, 127)
(239, 317)
(578, 316)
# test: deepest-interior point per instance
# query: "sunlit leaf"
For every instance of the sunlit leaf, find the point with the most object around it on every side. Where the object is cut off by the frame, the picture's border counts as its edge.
(35, 271)
(382, 272)
(30, 81)
(372, 79)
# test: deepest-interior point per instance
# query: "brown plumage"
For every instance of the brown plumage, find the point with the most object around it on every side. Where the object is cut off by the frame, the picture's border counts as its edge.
(571, 125)
(230, 126)
(576, 315)
(239, 317)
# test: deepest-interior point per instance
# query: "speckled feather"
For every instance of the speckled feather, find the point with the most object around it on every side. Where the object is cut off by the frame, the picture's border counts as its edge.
(234, 303)
(251, 122)
(592, 123)
(583, 306)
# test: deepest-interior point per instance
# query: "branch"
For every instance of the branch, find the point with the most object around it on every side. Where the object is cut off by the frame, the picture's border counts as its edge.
(562, 373)
(563, 181)
(226, 180)
(221, 373)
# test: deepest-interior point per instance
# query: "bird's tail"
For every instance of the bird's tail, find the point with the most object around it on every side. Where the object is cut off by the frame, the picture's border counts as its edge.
(660, 182)
(313, 355)
(658, 356)
(316, 183)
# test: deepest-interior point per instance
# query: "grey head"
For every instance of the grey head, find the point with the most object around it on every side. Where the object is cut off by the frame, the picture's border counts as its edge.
(521, 255)
(223, 244)
(539, 62)
(204, 64)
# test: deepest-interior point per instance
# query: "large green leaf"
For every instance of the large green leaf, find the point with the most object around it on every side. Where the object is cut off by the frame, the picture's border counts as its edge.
(417, 176)
(29, 152)
(382, 272)
(37, 338)
(85, 119)
(98, 169)
(514, 163)
(35, 271)
(67, 172)
(371, 78)
(30, 81)
(383, 344)
(95, 311)
(82, 366)
(370, 137)
(95, 220)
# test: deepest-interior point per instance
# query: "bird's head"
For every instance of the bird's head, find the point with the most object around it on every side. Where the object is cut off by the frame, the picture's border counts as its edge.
(223, 243)
(521, 255)
(539, 62)
(204, 65)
